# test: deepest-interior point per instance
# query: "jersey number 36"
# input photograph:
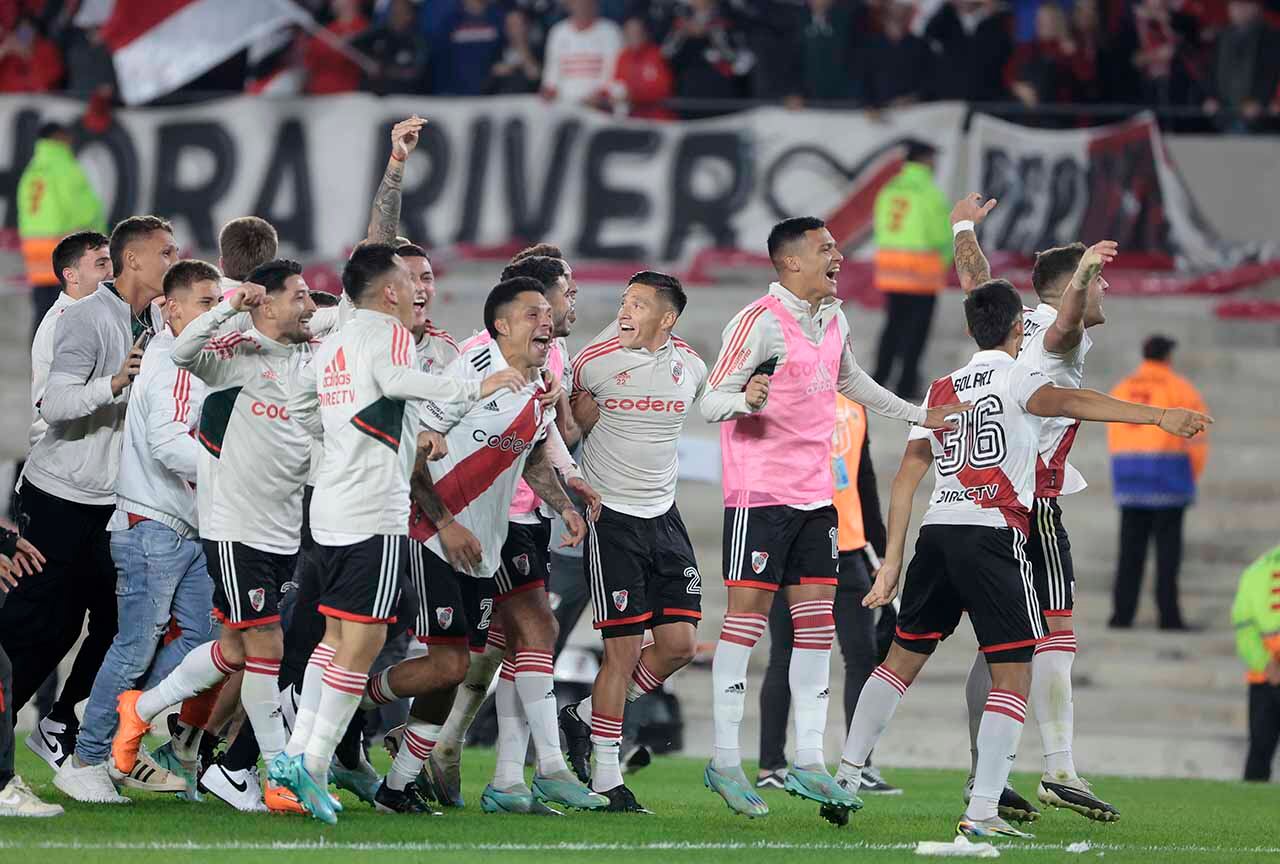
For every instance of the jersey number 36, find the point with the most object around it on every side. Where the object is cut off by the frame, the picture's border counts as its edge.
(977, 441)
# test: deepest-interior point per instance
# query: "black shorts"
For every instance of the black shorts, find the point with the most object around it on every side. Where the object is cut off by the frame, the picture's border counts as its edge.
(361, 582)
(247, 583)
(523, 564)
(769, 547)
(453, 608)
(642, 572)
(972, 568)
(1049, 551)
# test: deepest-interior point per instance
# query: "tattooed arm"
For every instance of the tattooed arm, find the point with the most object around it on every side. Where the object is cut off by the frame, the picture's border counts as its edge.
(541, 476)
(384, 219)
(460, 546)
(423, 491)
(1066, 331)
(971, 264)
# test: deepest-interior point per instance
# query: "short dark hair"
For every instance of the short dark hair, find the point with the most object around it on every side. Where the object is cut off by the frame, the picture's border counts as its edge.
(1052, 265)
(274, 274)
(667, 286)
(991, 310)
(72, 247)
(186, 273)
(130, 230)
(918, 151)
(53, 129)
(1158, 347)
(323, 298)
(365, 265)
(502, 294)
(545, 269)
(789, 230)
(412, 250)
(548, 250)
(245, 243)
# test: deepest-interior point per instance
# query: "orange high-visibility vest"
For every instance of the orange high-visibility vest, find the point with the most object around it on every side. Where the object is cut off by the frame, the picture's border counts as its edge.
(846, 455)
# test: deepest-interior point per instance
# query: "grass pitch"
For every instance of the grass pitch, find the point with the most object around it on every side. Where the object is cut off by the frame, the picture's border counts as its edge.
(1166, 821)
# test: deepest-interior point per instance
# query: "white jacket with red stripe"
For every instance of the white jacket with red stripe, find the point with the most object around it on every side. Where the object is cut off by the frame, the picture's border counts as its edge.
(159, 457)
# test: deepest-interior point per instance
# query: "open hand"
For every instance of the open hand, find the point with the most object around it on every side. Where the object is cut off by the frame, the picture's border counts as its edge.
(936, 418)
(405, 135)
(972, 208)
(885, 587)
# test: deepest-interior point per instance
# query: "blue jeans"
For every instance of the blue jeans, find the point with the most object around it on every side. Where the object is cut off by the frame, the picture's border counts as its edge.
(158, 575)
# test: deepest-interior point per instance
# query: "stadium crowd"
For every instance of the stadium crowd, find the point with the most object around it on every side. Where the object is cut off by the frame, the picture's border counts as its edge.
(636, 56)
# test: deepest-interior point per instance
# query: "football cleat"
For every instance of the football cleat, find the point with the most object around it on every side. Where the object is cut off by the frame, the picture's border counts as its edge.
(1011, 806)
(443, 777)
(1076, 794)
(771, 779)
(129, 732)
(278, 799)
(517, 799)
(818, 785)
(577, 737)
(563, 788)
(361, 780)
(735, 790)
(406, 800)
(621, 800)
(52, 741)
(993, 827)
(188, 771)
(636, 758)
(836, 814)
(288, 771)
(874, 783)
(240, 789)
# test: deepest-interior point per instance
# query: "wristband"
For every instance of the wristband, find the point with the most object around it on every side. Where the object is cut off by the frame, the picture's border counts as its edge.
(396, 156)
(962, 225)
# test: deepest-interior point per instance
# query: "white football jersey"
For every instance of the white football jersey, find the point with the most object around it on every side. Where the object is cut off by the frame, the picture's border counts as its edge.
(984, 470)
(1053, 475)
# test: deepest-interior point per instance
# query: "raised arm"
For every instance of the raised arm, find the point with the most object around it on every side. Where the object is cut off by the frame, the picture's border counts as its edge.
(196, 349)
(384, 218)
(966, 216)
(1068, 328)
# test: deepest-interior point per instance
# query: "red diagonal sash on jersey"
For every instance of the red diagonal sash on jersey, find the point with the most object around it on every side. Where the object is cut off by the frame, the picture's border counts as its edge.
(943, 392)
(473, 476)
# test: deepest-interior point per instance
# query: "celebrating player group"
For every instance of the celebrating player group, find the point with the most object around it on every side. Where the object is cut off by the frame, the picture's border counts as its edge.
(358, 493)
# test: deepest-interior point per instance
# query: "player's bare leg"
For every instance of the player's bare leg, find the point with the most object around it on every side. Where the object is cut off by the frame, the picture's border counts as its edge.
(1060, 785)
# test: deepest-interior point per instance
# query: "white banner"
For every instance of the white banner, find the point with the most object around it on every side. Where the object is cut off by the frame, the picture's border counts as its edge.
(489, 172)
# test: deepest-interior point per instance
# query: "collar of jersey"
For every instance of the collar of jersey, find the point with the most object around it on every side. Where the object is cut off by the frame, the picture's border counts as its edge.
(1046, 309)
(801, 307)
(645, 352)
(991, 355)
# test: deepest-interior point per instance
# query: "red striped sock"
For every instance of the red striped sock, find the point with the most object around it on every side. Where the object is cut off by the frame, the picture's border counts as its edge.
(642, 681)
(743, 628)
(814, 624)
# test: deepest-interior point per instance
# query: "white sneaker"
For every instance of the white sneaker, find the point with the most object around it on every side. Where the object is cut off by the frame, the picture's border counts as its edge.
(147, 775)
(52, 741)
(90, 784)
(241, 789)
(17, 799)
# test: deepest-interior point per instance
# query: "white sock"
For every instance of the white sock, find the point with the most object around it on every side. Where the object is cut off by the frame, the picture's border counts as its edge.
(738, 635)
(379, 691)
(1051, 701)
(201, 669)
(513, 731)
(642, 682)
(260, 696)
(584, 711)
(606, 741)
(419, 740)
(470, 696)
(809, 676)
(876, 703)
(998, 737)
(309, 703)
(537, 697)
(340, 693)
(976, 688)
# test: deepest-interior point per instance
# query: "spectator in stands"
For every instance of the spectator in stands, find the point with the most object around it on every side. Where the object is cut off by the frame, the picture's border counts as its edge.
(1156, 38)
(972, 41)
(642, 80)
(89, 65)
(913, 253)
(1245, 69)
(29, 63)
(400, 51)
(519, 70)
(898, 66)
(823, 51)
(708, 57)
(328, 69)
(582, 53)
(1086, 33)
(1256, 616)
(1153, 477)
(1051, 68)
(466, 47)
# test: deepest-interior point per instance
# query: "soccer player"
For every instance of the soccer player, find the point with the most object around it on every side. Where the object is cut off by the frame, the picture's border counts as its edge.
(461, 503)
(783, 359)
(253, 463)
(970, 554)
(353, 396)
(633, 392)
(1057, 340)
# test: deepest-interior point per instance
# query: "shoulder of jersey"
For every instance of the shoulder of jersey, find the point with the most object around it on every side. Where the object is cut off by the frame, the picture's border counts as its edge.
(685, 347)
(231, 344)
(478, 358)
(436, 333)
(594, 351)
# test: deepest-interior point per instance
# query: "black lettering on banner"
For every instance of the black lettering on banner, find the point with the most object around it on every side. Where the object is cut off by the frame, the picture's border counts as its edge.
(416, 200)
(1136, 219)
(532, 223)
(196, 202)
(713, 214)
(602, 202)
(477, 170)
(25, 125)
(124, 159)
(288, 165)
(1063, 180)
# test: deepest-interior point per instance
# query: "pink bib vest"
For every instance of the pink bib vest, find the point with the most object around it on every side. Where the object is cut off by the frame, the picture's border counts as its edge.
(526, 500)
(782, 454)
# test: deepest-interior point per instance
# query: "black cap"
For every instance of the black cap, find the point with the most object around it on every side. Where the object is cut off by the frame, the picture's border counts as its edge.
(918, 151)
(1158, 347)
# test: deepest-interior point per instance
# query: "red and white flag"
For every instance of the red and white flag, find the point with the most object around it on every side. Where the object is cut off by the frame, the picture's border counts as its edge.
(160, 45)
